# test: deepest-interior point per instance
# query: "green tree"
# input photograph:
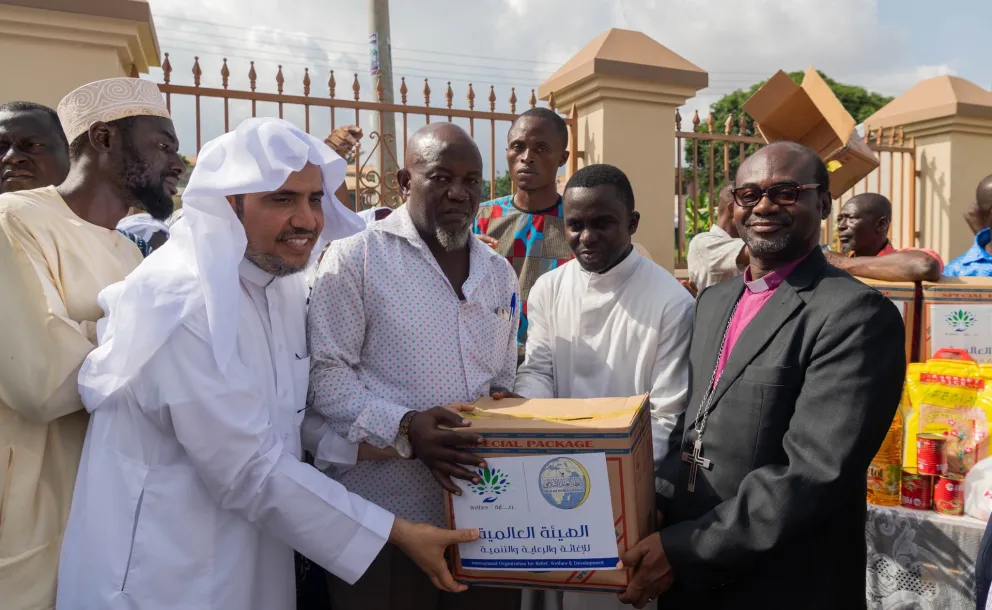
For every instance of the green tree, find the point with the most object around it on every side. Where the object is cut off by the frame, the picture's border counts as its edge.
(860, 102)
(504, 186)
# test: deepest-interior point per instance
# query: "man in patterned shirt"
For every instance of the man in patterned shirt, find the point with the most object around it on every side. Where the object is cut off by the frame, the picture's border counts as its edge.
(528, 225)
(407, 315)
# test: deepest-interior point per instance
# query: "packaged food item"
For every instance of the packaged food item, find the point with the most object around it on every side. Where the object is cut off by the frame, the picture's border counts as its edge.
(916, 490)
(948, 495)
(931, 454)
(952, 399)
(886, 469)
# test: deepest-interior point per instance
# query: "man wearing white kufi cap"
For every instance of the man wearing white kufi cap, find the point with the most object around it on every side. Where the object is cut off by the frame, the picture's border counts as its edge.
(191, 492)
(58, 250)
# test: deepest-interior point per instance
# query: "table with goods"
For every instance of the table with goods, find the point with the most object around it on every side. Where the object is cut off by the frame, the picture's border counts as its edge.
(930, 489)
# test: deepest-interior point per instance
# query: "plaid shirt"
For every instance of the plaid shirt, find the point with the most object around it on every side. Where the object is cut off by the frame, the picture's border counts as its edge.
(533, 242)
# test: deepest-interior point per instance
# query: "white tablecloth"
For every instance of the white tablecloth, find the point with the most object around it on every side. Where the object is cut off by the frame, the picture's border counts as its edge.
(920, 560)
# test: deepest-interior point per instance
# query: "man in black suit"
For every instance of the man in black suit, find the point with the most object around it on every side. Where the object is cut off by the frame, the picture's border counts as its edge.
(797, 370)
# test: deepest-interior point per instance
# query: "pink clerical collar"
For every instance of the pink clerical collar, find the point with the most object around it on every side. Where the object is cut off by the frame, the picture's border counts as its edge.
(771, 280)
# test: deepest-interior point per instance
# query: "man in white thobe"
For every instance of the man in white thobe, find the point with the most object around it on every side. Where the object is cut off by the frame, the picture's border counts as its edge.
(609, 322)
(191, 492)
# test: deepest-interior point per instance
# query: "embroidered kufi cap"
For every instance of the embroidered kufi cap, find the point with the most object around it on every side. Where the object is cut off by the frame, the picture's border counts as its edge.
(109, 100)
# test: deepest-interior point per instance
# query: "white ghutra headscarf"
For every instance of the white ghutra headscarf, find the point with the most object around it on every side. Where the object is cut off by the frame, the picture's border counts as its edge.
(198, 266)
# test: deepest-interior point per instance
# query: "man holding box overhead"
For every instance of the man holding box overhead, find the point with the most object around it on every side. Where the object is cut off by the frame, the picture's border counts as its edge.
(797, 373)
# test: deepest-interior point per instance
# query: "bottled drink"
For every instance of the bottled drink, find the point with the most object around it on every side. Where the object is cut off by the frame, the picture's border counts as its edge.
(886, 469)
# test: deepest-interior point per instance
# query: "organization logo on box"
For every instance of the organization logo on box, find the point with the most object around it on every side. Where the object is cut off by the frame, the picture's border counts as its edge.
(967, 327)
(564, 483)
(492, 483)
(960, 320)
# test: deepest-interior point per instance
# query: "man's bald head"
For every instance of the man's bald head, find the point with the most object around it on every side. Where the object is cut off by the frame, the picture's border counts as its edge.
(983, 194)
(813, 163)
(725, 210)
(428, 142)
(863, 224)
(441, 180)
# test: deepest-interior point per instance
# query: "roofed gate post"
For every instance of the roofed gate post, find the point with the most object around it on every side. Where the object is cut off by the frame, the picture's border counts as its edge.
(626, 87)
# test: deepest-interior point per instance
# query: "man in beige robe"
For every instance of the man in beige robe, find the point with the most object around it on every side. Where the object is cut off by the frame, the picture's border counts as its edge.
(58, 249)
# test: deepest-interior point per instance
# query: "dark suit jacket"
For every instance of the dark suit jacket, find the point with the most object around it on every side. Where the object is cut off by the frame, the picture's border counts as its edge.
(803, 405)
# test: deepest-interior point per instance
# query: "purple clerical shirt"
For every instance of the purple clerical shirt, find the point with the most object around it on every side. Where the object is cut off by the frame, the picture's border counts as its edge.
(756, 294)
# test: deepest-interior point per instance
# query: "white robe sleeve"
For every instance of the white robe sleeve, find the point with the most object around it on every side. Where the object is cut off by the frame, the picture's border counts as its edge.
(225, 429)
(670, 390)
(536, 377)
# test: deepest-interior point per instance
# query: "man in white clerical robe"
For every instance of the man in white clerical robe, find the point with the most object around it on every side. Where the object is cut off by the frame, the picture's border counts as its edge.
(191, 492)
(609, 322)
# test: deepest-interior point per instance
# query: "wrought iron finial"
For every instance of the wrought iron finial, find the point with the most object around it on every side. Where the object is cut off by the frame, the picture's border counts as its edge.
(252, 76)
(279, 80)
(492, 99)
(427, 93)
(225, 73)
(380, 93)
(551, 100)
(695, 121)
(513, 100)
(166, 69)
(742, 124)
(471, 97)
(710, 123)
(306, 82)
(332, 84)
(403, 89)
(728, 124)
(449, 95)
(356, 88)
(196, 71)
(533, 99)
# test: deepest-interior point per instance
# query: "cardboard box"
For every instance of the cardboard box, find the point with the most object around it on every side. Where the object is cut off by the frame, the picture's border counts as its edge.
(812, 115)
(618, 427)
(957, 313)
(906, 296)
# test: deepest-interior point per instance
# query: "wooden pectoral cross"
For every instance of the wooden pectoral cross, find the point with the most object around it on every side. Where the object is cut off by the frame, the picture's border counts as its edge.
(695, 460)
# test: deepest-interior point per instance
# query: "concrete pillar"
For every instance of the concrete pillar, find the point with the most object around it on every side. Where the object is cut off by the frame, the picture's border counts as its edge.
(950, 119)
(54, 46)
(625, 88)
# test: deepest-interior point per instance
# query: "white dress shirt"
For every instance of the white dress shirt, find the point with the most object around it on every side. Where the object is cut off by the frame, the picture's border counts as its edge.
(389, 334)
(620, 333)
(191, 493)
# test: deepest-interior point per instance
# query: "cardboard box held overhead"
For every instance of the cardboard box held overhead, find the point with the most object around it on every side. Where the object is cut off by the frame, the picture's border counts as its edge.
(813, 116)
(620, 428)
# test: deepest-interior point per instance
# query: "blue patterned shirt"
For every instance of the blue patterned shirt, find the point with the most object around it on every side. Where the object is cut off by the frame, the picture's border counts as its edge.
(976, 262)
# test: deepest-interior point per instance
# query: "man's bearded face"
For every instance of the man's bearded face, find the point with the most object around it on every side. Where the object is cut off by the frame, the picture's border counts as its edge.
(282, 226)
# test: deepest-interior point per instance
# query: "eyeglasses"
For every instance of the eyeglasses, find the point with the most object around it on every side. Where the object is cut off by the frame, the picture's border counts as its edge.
(779, 194)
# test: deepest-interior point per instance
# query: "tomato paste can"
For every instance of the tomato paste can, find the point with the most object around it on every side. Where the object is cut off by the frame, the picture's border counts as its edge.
(948, 495)
(931, 455)
(916, 489)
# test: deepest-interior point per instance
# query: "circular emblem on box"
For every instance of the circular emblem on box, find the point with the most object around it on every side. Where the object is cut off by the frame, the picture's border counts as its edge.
(564, 483)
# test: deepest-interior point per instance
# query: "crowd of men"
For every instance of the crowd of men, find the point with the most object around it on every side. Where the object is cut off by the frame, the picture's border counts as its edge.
(157, 400)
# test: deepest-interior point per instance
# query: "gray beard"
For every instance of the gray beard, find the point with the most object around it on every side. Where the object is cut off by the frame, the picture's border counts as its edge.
(270, 263)
(765, 246)
(452, 240)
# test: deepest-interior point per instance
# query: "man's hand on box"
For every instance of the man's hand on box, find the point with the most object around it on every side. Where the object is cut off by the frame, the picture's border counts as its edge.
(653, 574)
(498, 393)
(435, 445)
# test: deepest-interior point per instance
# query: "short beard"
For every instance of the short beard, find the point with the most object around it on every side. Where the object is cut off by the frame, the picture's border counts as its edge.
(452, 240)
(766, 246)
(141, 186)
(270, 263)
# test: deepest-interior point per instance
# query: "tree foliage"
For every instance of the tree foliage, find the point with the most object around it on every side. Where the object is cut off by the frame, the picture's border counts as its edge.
(860, 102)
(504, 186)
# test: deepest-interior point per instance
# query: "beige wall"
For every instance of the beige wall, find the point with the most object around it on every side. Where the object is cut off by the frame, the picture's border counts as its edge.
(631, 124)
(48, 76)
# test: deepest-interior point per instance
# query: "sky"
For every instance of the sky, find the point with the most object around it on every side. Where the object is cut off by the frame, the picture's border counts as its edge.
(883, 45)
